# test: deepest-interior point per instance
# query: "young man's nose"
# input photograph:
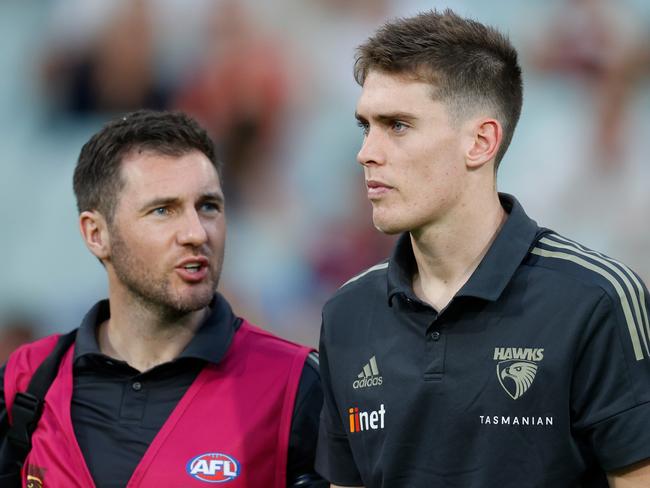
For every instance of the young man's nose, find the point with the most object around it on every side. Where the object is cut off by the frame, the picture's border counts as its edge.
(371, 151)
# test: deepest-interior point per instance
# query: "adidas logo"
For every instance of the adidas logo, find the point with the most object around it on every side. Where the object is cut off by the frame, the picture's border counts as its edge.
(369, 376)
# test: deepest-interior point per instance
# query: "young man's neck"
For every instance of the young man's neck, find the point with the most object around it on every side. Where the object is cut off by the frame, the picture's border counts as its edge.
(143, 336)
(447, 253)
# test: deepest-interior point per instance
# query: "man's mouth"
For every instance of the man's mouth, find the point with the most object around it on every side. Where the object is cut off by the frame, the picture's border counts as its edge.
(377, 188)
(194, 269)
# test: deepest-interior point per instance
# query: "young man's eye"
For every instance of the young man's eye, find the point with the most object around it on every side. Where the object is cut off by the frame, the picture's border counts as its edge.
(364, 127)
(399, 126)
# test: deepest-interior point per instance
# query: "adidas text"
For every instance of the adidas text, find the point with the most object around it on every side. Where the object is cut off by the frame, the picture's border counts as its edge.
(373, 381)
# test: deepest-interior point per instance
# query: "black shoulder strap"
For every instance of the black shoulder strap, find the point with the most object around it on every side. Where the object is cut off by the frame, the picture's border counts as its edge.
(28, 406)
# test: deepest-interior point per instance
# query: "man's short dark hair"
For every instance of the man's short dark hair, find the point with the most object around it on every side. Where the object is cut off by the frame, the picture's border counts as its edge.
(97, 178)
(467, 63)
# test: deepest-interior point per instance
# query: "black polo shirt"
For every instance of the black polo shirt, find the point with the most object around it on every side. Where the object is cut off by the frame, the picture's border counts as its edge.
(117, 411)
(536, 374)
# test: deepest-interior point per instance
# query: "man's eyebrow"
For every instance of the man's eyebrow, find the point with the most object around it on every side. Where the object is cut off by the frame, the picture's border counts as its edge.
(166, 201)
(387, 117)
(159, 202)
(212, 196)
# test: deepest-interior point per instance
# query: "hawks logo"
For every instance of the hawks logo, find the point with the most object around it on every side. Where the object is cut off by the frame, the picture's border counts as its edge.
(517, 368)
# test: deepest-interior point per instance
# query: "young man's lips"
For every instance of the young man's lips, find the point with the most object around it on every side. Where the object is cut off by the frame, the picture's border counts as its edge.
(377, 188)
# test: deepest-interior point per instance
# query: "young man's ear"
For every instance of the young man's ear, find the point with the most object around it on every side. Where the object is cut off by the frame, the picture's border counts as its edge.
(94, 231)
(487, 137)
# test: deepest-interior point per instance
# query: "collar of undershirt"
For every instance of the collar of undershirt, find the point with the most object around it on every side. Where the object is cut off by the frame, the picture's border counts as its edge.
(210, 342)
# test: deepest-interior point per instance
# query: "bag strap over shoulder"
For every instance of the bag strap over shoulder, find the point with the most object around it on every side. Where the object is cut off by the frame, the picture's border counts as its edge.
(28, 405)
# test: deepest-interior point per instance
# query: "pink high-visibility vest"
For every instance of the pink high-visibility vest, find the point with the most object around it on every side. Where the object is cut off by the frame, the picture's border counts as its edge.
(231, 427)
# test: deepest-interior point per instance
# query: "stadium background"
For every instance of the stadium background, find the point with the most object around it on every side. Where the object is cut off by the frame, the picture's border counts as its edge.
(272, 79)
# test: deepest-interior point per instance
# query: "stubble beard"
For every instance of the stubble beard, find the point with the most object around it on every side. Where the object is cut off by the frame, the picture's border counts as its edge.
(153, 292)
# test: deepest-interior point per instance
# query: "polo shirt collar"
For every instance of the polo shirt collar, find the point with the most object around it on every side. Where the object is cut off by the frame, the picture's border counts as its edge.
(495, 270)
(210, 342)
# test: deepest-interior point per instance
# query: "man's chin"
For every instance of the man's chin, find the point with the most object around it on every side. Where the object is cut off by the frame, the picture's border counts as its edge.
(192, 300)
(198, 302)
(387, 227)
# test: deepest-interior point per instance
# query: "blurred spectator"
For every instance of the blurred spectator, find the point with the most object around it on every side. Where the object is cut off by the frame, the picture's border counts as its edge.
(113, 70)
(239, 92)
(586, 148)
(604, 46)
(347, 246)
(15, 332)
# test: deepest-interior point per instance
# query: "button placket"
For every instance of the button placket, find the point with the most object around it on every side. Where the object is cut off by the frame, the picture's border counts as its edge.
(134, 400)
(436, 345)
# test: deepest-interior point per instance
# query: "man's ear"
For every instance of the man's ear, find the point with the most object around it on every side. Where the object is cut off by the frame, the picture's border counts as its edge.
(487, 137)
(94, 231)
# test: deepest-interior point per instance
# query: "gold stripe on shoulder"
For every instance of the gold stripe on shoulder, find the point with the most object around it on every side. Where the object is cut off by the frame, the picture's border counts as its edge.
(627, 312)
(622, 270)
(638, 296)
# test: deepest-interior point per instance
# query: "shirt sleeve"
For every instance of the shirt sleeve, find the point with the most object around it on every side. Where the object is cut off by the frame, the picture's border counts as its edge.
(333, 456)
(610, 397)
(304, 429)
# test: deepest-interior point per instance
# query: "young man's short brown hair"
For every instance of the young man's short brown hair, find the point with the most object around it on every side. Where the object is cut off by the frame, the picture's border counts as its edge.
(468, 64)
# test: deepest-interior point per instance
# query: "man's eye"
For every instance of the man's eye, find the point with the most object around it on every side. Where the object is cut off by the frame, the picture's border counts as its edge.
(210, 207)
(364, 127)
(161, 211)
(399, 126)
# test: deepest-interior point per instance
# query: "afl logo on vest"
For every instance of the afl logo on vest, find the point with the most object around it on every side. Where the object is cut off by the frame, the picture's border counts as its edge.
(213, 467)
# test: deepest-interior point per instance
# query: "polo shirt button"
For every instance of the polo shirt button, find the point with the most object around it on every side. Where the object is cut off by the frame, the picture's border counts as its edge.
(435, 335)
(137, 386)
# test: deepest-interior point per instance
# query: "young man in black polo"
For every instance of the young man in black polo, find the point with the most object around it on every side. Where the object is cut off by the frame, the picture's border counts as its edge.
(487, 351)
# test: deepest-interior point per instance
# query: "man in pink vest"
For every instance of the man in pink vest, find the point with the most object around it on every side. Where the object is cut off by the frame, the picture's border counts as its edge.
(165, 385)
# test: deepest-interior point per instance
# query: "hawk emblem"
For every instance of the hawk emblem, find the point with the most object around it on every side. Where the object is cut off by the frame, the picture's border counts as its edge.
(516, 376)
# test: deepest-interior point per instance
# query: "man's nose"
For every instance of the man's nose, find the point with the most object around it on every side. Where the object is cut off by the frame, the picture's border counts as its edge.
(192, 231)
(372, 149)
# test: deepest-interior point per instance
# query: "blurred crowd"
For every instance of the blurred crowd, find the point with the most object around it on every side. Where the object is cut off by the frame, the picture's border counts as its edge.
(272, 81)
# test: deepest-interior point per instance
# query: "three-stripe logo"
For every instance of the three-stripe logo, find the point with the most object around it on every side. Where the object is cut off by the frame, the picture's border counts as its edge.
(369, 376)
